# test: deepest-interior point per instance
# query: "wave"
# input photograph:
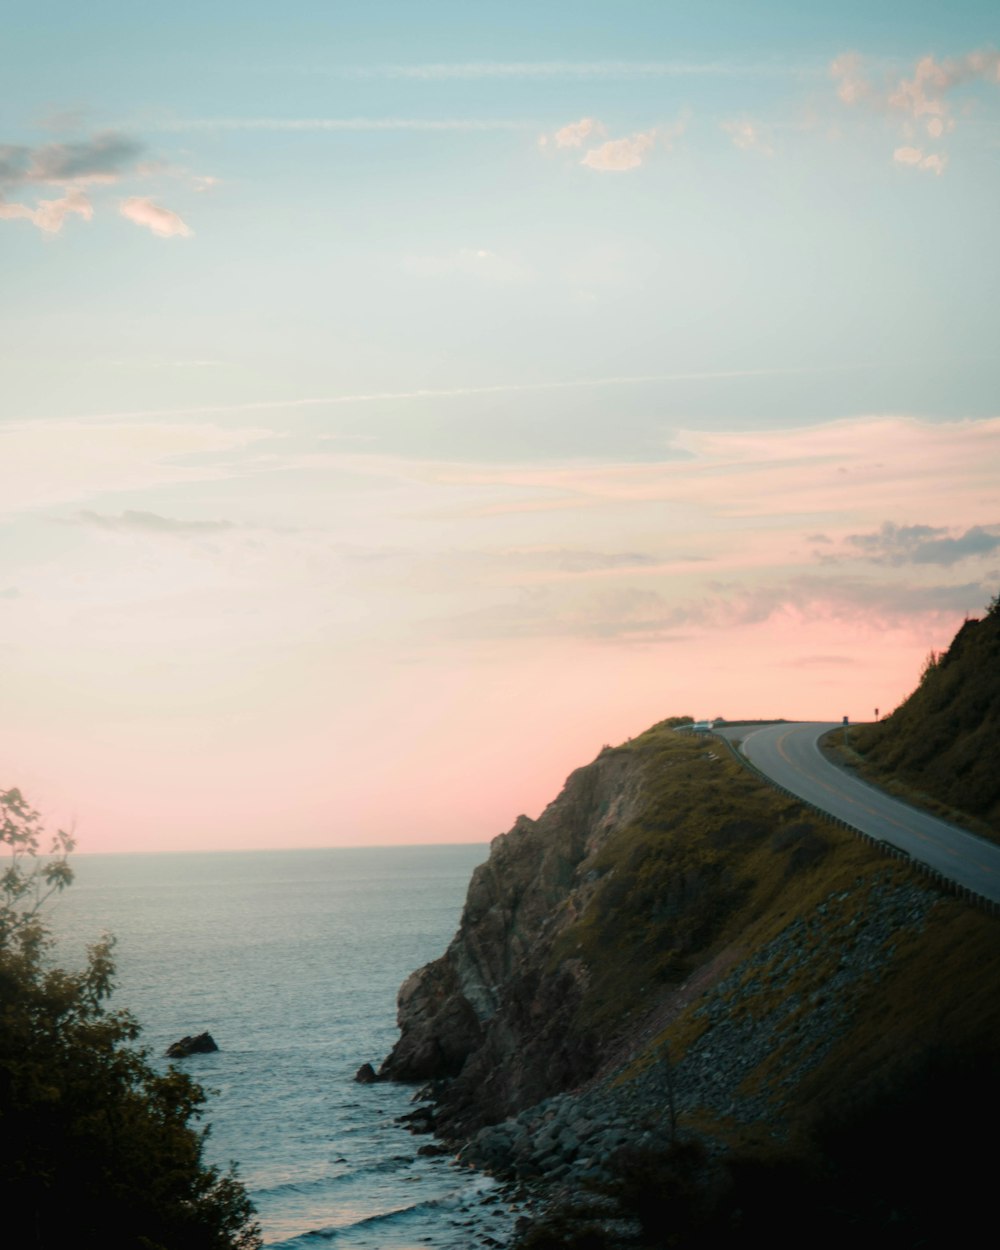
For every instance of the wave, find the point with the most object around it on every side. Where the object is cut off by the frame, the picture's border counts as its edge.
(381, 1219)
(352, 1172)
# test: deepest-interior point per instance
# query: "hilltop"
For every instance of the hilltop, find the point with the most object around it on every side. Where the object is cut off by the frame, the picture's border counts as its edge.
(679, 994)
(941, 743)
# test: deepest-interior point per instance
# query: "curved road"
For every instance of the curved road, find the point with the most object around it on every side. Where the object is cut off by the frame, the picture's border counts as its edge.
(789, 754)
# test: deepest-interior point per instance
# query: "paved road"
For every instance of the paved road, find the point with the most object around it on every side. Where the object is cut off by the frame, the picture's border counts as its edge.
(789, 755)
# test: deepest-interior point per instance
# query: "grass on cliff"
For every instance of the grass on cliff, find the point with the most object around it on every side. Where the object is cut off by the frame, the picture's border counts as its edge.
(870, 1131)
(714, 858)
(717, 864)
(942, 741)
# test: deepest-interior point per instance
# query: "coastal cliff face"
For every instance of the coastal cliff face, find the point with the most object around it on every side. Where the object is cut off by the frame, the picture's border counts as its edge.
(679, 983)
(659, 867)
(668, 903)
(495, 1012)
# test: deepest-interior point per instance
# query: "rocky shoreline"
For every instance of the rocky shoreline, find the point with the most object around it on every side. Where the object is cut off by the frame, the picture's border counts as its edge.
(570, 1136)
(564, 1152)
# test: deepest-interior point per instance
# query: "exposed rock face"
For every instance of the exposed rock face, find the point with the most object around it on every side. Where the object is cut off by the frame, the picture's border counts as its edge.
(589, 935)
(202, 1044)
(492, 1013)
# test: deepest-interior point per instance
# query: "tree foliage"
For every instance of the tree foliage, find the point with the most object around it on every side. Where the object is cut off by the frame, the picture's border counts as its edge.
(95, 1145)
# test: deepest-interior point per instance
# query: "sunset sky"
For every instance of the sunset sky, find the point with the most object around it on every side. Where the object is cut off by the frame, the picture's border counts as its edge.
(401, 401)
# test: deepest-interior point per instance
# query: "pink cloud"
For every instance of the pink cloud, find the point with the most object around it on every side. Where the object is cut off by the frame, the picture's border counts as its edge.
(934, 162)
(852, 85)
(615, 155)
(573, 135)
(101, 160)
(920, 98)
(49, 215)
(618, 155)
(161, 221)
(924, 93)
(66, 166)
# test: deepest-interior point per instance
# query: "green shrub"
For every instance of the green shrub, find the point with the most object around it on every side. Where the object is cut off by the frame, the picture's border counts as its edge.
(96, 1147)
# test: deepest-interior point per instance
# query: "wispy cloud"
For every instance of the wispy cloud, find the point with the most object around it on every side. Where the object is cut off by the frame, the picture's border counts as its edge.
(829, 470)
(462, 392)
(137, 522)
(43, 463)
(645, 615)
(464, 70)
(471, 125)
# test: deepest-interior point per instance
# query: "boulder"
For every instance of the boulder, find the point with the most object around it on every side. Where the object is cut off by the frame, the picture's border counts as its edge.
(203, 1044)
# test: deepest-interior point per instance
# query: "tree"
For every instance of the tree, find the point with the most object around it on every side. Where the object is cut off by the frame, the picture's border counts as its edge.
(95, 1145)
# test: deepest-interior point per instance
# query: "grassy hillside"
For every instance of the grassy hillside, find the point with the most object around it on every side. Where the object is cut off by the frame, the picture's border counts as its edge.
(824, 1018)
(710, 857)
(716, 870)
(942, 742)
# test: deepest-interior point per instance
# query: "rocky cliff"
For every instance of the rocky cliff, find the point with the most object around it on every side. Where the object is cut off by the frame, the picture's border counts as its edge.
(496, 1012)
(674, 952)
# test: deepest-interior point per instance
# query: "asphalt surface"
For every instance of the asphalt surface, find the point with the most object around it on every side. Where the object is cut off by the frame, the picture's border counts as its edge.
(789, 754)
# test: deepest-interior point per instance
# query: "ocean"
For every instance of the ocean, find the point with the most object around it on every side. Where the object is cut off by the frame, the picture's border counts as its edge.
(292, 961)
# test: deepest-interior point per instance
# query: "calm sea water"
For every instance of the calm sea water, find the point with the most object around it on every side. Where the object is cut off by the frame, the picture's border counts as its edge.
(292, 960)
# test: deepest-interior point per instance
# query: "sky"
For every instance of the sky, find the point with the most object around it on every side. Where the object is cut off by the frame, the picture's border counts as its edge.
(401, 402)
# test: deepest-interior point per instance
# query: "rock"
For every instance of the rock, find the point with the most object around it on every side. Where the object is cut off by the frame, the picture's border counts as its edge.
(420, 1121)
(203, 1044)
(365, 1075)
